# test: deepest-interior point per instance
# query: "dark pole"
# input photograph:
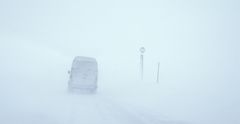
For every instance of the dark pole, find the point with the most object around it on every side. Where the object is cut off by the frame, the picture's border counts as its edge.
(141, 59)
(158, 72)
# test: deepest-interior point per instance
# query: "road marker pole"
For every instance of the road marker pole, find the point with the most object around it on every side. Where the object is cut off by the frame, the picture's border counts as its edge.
(142, 50)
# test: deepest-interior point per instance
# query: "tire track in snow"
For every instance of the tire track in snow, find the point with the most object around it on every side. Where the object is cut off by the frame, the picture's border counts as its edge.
(133, 116)
(100, 109)
(113, 111)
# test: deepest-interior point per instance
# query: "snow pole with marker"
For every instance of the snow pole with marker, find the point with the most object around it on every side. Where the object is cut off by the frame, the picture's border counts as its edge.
(142, 50)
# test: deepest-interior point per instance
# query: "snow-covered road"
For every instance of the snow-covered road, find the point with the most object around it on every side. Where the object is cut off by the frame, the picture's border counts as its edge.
(95, 109)
(71, 108)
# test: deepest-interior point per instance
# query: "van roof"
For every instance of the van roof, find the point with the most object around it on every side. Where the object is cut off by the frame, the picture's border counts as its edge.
(83, 58)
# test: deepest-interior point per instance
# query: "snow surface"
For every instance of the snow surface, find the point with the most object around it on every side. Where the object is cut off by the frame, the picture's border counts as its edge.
(196, 43)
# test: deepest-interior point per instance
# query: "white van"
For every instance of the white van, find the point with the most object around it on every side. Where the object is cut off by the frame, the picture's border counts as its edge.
(83, 75)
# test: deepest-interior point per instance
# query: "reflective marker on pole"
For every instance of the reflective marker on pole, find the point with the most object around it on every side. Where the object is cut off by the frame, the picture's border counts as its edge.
(142, 50)
(158, 72)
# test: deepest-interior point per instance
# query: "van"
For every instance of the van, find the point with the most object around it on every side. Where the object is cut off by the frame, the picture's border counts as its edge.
(83, 75)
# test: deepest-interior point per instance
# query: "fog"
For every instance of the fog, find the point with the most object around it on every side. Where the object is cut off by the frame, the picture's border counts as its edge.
(196, 43)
